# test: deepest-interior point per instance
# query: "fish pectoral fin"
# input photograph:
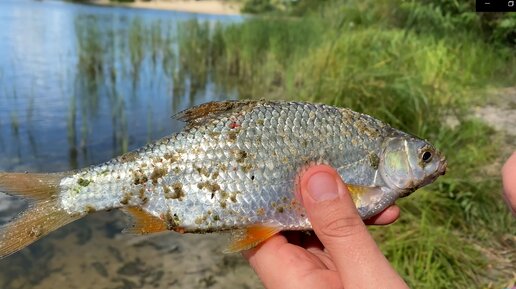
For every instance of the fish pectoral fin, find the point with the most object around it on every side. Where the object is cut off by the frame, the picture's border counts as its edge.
(144, 222)
(361, 194)
(251, 236)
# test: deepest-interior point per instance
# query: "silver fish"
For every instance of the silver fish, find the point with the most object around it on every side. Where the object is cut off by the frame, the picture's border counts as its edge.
(233, 167)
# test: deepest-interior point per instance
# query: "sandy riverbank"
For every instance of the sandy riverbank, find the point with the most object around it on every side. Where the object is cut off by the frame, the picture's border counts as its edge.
(193, 6)
(92, 253)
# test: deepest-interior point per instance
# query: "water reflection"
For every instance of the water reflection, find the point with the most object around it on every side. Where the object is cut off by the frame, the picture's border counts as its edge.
(79, 85)
(96, 79)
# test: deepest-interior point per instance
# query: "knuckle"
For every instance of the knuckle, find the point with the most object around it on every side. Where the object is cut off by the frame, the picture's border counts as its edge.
(341, 228)
(337, 224)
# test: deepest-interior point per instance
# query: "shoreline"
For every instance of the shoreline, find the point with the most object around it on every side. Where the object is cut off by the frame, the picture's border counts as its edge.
(213, 7)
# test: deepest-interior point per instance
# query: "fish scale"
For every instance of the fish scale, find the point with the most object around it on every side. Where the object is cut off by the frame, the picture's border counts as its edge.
(199, 197)
(283, 140)
(235, 167)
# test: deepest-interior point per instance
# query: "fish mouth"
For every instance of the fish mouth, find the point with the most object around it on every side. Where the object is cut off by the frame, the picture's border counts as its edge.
(407, 192)
(441, 171)
(443, 166)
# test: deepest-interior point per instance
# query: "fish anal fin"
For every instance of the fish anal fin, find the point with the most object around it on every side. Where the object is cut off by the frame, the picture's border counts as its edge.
(251, 236)
(37, 221)
(211, 109)
(144, 222)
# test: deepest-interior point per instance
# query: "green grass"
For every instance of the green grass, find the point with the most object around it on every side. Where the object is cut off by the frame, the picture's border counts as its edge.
(452, 233)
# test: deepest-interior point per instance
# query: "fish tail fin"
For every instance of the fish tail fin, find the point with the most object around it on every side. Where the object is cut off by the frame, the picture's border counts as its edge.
(43, 215)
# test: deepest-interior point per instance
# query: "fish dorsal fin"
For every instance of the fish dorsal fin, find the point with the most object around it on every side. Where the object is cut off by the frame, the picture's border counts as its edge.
(144, 222)
(212, 109)
(251, 236)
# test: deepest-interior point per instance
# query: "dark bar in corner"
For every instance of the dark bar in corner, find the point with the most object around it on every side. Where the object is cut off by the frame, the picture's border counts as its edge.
(496, 5)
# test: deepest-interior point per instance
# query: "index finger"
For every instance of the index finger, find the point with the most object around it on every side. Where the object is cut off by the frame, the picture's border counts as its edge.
(509, 182)
(283, 265)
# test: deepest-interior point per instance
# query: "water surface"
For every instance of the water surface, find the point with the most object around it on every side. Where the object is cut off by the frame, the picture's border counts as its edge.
(81, 83)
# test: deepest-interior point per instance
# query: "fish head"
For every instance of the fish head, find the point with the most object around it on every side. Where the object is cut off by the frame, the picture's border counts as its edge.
(409, 163)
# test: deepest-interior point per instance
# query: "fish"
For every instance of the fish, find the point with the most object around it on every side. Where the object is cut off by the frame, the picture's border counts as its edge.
(233, 168)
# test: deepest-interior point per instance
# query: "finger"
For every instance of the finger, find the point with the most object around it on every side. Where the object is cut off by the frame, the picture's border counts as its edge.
(509, 182)
(280, 264)
(254, 255)
(388, 216)
(324, 257)
(338, 226)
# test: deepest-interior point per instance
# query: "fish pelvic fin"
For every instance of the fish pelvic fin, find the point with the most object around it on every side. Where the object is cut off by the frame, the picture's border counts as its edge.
(43, 215)
(144, 223)
(251, 236)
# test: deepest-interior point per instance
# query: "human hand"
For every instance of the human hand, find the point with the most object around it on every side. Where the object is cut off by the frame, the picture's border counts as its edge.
(509, 182)
(341, 254)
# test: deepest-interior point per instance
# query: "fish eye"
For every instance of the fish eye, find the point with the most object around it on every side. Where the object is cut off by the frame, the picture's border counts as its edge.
(427, 156)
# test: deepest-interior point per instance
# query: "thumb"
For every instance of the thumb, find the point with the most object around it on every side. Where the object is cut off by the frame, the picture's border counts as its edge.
(340, 229)
(330, 208)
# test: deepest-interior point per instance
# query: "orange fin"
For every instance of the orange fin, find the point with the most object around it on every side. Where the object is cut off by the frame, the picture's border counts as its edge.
(43, 216)
(361, 194)
(251, 236)
(144, 223)
(37, 221)
(35, 186)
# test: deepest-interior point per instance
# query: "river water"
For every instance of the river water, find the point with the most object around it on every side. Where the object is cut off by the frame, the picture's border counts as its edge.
(80, 84)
